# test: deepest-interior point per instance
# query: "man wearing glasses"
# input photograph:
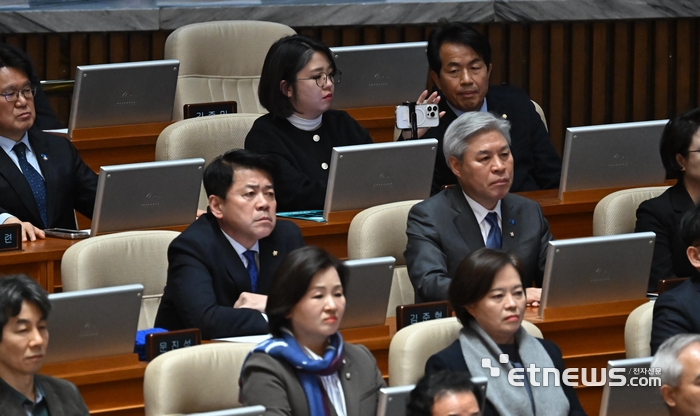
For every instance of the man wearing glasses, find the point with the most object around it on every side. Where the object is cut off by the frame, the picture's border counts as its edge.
(42, 177)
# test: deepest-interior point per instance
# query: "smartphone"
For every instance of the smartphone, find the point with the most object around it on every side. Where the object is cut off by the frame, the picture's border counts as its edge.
(66, 233)
(427, 115)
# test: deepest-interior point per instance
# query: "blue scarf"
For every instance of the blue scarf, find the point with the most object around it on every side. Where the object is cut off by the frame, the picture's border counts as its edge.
(307, 369)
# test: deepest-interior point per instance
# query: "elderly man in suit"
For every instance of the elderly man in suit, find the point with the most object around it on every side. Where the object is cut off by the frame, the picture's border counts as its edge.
(220, 268)
(678, 359)
(678, 310)
(24, 309)
(42, 177)
(479, 212)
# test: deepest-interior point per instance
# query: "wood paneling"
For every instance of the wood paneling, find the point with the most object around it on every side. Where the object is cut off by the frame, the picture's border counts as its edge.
(581, 73)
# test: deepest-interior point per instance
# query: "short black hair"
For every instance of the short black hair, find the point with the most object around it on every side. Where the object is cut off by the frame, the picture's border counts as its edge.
(15, 290)
(690, 227)
(460, 33)
(676, 139)
(474, 277)
(12, 58)
(292, 280)
(218, 176)
(284, 60)
(434, 386)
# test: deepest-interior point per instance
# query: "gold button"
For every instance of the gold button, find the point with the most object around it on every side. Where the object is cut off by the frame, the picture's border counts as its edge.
(317, 138)
(324, 165)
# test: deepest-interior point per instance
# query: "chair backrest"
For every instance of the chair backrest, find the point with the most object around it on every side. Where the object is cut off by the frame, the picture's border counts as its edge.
(638, 331)
(411, 347)
(205, 137)
(381, 231)
(616, 213)
(196, 379)
(222, 61)
(121, 259)
(540, 111)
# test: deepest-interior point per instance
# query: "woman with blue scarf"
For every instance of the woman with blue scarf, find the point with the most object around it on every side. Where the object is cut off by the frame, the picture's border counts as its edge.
(306, 368)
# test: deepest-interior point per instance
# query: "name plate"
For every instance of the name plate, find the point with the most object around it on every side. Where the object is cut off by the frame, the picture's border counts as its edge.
(420, 312)
(10, 237)
(162, 342)
(209, 109)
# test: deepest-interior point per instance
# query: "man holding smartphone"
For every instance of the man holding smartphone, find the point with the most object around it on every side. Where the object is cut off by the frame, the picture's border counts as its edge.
(42, 177)
(460, 66)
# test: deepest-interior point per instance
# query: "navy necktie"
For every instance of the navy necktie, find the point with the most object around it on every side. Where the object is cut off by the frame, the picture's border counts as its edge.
(36, 182)
(493, 240)
(252, 269)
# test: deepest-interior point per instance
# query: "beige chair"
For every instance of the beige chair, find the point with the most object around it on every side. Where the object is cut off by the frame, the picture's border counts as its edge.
(222, 61)
(411, 347)
(540, 111)
(638, 331)
(616, 213)
(195, 379)
(121, 259)
(381, 231)
(205, 137)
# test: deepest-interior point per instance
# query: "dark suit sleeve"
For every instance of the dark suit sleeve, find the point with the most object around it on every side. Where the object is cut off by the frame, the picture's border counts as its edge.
(547, 163)
(427, 263)
(263, 383)
(85, 185)
(575, 408)
(192, 286)
(670, 318)
(545, 238)
(650, 219)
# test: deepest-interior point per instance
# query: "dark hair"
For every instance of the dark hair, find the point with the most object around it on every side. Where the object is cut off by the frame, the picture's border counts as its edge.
(284, 60)
(690, 227)
(676, 139)
(12, 58)
(474, 277)
(292, 280)
(218, 176)
(460, 33)
(16, 289)
(434, 386)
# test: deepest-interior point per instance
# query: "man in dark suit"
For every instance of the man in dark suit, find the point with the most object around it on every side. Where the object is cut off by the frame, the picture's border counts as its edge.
(220, 268)
(460, 67)
(24, 309)
(443, 229)
(678, 310)
(42, 177)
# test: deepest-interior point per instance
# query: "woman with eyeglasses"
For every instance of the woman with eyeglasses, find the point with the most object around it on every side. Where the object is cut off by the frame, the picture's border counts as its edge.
(306, 369)
(679, 148)
(489, 300)
(300, 131)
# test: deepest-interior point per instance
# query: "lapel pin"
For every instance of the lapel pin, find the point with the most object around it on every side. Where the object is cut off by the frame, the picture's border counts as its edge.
(274, 253)
(512, 221)
(505, 116)
(43, 156)
(512, 234)
(347, 375)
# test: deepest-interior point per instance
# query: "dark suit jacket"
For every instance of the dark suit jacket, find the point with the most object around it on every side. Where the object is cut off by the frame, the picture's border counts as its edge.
(662, 215)
(70, 183)
(537, 164)
(206, 276)
(274, 384)
(676, 312)
(62, 397)
(451, 358)
(442, 231)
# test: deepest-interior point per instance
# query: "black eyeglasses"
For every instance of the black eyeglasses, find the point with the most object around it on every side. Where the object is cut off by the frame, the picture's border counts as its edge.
(12, 96)
(322, 78)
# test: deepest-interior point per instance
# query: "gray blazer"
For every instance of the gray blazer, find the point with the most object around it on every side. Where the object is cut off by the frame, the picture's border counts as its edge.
(272, 383)
(62, 397)
(442, 231)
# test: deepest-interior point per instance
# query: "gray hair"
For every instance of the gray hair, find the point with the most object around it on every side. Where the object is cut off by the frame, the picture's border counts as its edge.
(461, 131)
(666, 357)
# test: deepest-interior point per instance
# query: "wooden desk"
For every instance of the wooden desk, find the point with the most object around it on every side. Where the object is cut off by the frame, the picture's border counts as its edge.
(114, 385)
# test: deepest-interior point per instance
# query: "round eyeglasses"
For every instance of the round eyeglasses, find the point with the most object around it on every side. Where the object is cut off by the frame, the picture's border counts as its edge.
(12, 96)
(322, 78)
